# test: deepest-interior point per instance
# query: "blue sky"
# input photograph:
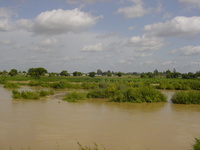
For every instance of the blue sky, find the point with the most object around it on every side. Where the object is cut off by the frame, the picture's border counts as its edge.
(86, 35)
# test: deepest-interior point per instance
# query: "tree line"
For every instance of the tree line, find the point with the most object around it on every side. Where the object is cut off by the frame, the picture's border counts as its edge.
(40, 71)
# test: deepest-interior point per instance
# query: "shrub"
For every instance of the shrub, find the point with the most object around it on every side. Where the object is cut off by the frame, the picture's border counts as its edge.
(38, 83)
(186, 97)
(11, 85)
(196, 145)
(64, 85)
(74, 96)
(138, 95)
(44, 93)
(30, 95)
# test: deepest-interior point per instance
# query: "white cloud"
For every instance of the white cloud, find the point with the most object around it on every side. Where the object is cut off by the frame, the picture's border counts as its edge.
(93, 48)
(144, 42)
(189, 50)
(25, 23)
(5, 25)
(168, 62)
(195, 63)
(84, 1)
(133, 11)
(6, 12)
(149, 62)
(193, 3)
(131, 28)
(179, 26)
(62, 21)
(5, 42)
(167, 15)
(49, 42)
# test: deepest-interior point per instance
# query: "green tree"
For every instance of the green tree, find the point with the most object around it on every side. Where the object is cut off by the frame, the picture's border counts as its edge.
(119, 74)
(143, 75)
(99, 72)
(37, 72)
(4, 72)
(109, 73)
(13, 72)
(76, 73)
(156, 73)
(64, 73)
(92, 74)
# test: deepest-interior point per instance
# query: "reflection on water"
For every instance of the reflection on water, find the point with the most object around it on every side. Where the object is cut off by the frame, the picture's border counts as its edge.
(44, 124)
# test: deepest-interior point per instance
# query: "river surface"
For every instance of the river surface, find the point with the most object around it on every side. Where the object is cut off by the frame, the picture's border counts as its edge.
(53, 124)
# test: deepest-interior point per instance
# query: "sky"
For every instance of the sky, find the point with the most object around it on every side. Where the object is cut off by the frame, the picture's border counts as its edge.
(86, 35)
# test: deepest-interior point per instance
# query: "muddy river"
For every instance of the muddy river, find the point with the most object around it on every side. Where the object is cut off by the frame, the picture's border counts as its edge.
(53, 124)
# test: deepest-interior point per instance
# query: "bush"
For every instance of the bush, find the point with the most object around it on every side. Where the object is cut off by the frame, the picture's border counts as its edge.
(186, 97)
(74, 96)
(46, 93)
(196, 145)
(38, 83)
(30, 95)
(138, 95)
(11, 85)
(64, 85)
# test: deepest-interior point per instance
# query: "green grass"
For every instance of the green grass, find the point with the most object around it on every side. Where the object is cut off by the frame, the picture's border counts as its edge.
(186, 97)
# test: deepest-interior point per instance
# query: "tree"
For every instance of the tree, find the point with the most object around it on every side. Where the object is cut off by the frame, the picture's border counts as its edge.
(119, 74)
(37, 72)
(64, 73)
(99, 72)
(13, 72)
(143, 75)
(109, 74)
(76, 73)
(92, 74)
(156, 73)
(4, 72)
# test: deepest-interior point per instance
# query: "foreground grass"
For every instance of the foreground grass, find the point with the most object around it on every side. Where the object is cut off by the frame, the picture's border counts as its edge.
(195, 146)
(186, 97)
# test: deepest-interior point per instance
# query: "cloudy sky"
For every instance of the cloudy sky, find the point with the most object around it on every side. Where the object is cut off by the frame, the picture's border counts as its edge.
(86, 35)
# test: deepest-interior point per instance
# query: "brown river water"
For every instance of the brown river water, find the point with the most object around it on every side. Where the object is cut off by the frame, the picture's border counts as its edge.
(53, 124)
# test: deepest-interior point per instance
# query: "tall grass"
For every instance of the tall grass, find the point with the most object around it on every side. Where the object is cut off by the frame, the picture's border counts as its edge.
(186, 97)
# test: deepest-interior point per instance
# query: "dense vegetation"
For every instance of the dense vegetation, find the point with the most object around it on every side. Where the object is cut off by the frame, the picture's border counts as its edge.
(30, 95)
(115, 86)
(186, 97)
(196, 145)
(74, 96)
